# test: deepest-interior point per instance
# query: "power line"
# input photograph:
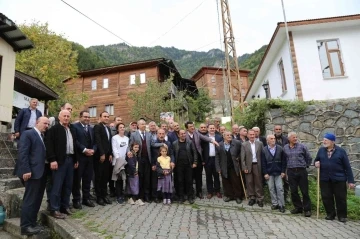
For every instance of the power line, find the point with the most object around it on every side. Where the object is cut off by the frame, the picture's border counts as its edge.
(182, 19)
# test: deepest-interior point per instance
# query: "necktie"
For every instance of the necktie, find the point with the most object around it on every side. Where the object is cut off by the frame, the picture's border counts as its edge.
(86, 128)
(42, 137)
(143, 135)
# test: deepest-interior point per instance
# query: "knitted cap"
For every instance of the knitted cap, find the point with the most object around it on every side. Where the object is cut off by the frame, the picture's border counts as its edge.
(330, 136)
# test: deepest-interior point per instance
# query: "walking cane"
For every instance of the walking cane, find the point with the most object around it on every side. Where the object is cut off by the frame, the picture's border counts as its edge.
(242, 182)
(318, 193)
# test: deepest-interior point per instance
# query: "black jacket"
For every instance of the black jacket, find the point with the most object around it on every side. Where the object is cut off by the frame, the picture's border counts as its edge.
(102, 141)
(191, 151)
(221, 157)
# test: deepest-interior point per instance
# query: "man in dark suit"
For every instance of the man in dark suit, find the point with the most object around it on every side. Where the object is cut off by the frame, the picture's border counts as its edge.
(102, 158)
(83, 175)
(235, 132)
(31, 169)
(193, 135)
(258, 137)
(26, 119)
(155, 147)
(209, 152)
(228, 166)
(145, 168)
(251, 165)
(174, 135)
(61, 152)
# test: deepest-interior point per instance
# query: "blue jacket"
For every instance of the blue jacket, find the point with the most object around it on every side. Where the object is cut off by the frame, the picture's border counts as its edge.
(273, 165)
(337, 168)
(22, 120)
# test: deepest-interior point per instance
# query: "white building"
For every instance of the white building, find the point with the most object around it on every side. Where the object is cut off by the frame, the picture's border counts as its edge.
(325, 56)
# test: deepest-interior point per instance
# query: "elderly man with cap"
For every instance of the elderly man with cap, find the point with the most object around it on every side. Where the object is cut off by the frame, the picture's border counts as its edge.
(335, 171)
(132, 128)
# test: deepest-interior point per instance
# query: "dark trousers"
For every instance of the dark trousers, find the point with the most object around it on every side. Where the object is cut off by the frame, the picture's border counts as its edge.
(286, 188)
(232, 185)
(48, 182)
(34, 193)
(144, 169)
(119, 188)
(337, 191)
(298, 178)
(197, 175)
(154, 182)
(184, 180)
(101, 176)
(111, 182)
(62, 179)
(212, 177)
(82, 179)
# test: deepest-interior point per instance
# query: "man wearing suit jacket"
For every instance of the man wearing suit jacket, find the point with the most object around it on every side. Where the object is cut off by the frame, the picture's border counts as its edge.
(83, 175)
(102, 158)
(144, 138)
(209, 152)
(235, 132)
(26, 119)
(174, 135)
(262, 139)
(251, 164)
(193, 135)
(228, 165)
(61, 152)
(31, 169)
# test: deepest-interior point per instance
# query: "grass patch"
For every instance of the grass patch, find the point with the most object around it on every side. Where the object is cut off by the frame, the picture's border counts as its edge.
(195, 206)
(78, 214)
(54, 235)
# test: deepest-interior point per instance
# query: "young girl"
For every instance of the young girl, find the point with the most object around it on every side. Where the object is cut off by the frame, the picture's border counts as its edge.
(133, 176)
(164, 172)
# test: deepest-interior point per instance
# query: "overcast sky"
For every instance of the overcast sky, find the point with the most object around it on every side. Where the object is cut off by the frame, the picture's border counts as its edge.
(142, 22)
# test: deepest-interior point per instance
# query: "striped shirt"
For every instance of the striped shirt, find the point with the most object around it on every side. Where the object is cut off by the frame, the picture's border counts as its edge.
(298, 156)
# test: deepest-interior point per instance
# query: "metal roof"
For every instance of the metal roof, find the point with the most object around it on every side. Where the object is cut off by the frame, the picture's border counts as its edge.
(12, 35)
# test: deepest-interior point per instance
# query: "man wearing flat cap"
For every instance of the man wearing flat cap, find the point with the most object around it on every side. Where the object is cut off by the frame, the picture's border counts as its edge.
(335, 171)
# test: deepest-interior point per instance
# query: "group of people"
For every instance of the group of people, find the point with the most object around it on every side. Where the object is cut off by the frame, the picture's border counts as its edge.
(160, 164)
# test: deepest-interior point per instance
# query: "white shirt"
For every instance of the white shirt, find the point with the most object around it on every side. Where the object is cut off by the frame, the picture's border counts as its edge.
(142, 134)
(119, 147)
(254, 159)
(32, 120)
(107, 131)
(212, 147)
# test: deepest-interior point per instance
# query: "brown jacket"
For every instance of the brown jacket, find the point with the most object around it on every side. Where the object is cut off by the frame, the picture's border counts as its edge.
(246, 155)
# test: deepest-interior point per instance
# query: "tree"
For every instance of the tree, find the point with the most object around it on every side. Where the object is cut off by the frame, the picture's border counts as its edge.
(199, 105)
(52, 61)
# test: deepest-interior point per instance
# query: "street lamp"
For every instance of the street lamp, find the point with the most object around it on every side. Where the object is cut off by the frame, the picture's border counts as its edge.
(266, 88)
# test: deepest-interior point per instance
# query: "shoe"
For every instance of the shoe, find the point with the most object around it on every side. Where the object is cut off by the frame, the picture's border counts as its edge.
(191, 200)
(238, 201)
(57, 215)
(342, 219)
(168, 201)
(112, 194)
(156, 200)
(40, 227)
(77, 205)
(307, 213)
(88, 203)
(28, 231)
(66, 211)
(330, 217)
(100, 201)
(107, 200)
(219, 195)
(200, 195)
(274, 207)
(251, 202)
(227, 199)
(175, 198)
(181, 200)
(131, 201)
(164, 201)
(282, 209)
(91, 197)
(296, 211)
(147, 199)
(139, 202)
(260, 203)
(209, 196)
(120, 200)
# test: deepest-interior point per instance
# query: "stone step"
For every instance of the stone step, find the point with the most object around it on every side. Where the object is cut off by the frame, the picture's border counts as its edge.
(6, 172)
(7, 162)
(12, 226)
(12, 200)
(6, 235)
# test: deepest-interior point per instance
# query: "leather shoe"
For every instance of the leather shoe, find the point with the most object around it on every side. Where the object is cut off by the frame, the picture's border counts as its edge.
(147, 199)
(238, 201)
(57, 215)
(191, 200)
(100, 201)
(251, 202)
(66, 211)
(342, 219)
(296, 211)
(308, 214)
(38, 226)
(209, 196)
(200, 195)
(282, 209)
(330, 217)
(107, 200)
(260, 203)
(219, 195)
(28, 231)
(112, 194)
(156, 200)
(88, 203)
(274, 207)
(77, 205)
(91, 197)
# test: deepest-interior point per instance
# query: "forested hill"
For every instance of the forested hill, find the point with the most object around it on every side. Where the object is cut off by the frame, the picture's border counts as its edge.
(187, 62)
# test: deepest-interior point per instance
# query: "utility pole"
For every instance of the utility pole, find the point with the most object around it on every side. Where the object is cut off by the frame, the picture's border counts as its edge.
(232, 66)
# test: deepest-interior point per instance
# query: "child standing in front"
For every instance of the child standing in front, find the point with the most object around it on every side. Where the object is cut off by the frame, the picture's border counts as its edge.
(131, 169)
(164, 175)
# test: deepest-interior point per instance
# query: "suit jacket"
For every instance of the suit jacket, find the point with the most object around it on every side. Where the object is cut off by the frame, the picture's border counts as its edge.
(135, 136)
(197, 141)
(172, 137)
(102, 141)
(221, 157)
(262, 139)
(81, 141)
(206, 147)
(284, 141)
(31, 155)
(155, 148)
(191, 152)
(246, 155)
(23, 118)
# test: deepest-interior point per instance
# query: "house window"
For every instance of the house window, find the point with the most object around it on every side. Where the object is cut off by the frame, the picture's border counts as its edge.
(213, 79)
(330, 58)
(93, 85)
(142, 78)
(214, 91)
(132, 79)
(105, 83)
(282, 76)
(92, 111)
(109, 109)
